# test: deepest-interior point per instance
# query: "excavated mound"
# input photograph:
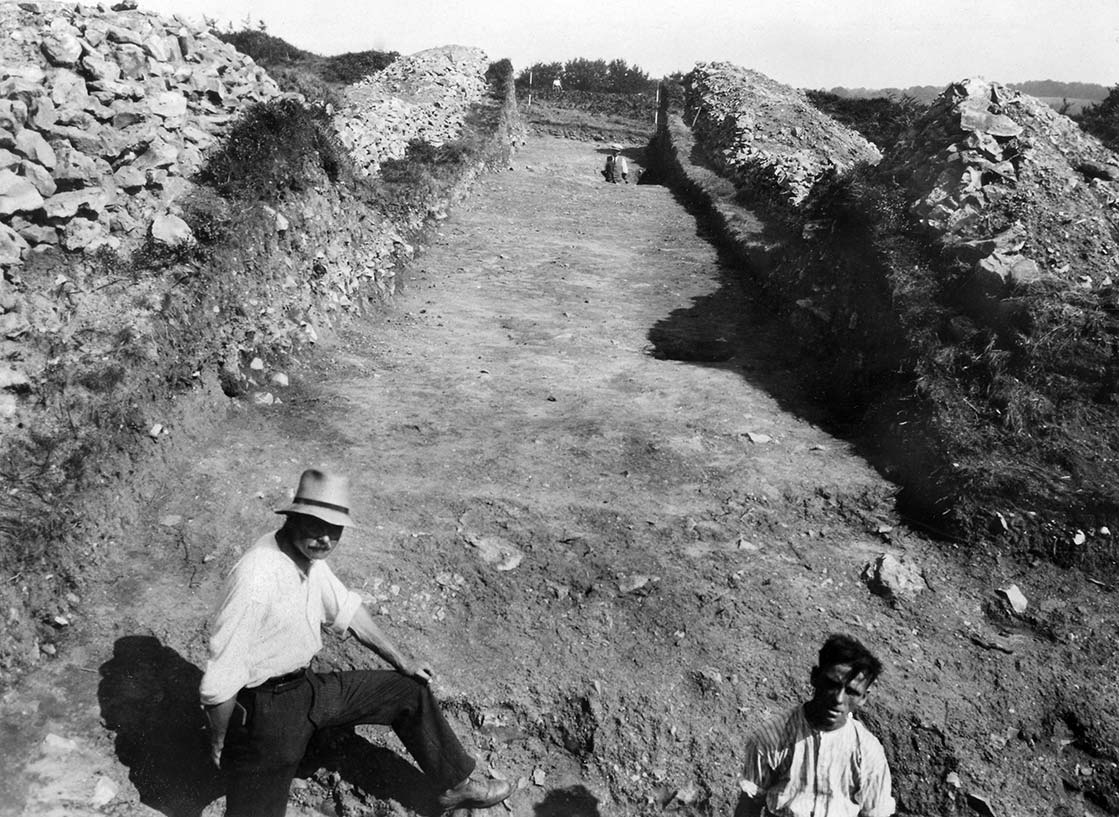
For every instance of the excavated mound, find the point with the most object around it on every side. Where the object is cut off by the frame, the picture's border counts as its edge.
(1012, 188)
(424, 96)
(766, 136)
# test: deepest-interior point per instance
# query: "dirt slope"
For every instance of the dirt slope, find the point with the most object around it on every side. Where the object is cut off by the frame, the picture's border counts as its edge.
(589, 492)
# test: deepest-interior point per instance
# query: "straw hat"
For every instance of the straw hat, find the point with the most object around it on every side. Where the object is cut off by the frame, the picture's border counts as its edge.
(615, 146)
(323, 496)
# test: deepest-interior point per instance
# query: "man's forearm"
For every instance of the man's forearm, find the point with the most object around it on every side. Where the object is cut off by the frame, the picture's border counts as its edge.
(372, 636)
(218, 717)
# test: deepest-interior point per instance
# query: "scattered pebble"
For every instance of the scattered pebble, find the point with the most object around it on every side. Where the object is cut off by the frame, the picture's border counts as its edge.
(104, 792)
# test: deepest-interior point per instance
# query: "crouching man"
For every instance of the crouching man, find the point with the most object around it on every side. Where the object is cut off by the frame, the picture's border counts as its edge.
(262, 702)
(818, 760)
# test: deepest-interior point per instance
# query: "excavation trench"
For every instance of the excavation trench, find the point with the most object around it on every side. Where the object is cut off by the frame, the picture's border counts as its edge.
(617, 556)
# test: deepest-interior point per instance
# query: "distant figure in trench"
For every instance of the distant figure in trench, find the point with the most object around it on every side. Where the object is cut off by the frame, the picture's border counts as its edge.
(616, 168)
(262, 702)
(818, 760)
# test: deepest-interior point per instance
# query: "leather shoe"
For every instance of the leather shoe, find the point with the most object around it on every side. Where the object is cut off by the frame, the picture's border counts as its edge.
(469, 794)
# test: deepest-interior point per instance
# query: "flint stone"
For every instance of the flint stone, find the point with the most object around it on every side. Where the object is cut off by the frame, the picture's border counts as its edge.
(28, 73)
(130, 177)
(890, 577)
(13, 115)
(1000, 269)
(33, 146)
(67, 88)
(100, 69)
(156, 48)
(9, 159)
(75, 166)
(186, 44)
(125, 5)
(69, 203)
(108, 91)
(1010, 240)
(975, 117)
(27, 89)
(132, 60)
(7, 139)
(94, 33)
(75, 117)
(126, 118)
(40, 177)
(17, 194)
(174, 53)
(197, 136)
(170, 230)
(119, 34)
(84, 234)
(45, 114)
(169, 104)
(12, 245)
(35, 234)
(61, 48)
(84, 141)
(160, 153)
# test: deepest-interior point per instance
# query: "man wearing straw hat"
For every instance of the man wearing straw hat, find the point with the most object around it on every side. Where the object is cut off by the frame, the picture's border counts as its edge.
(263, 703)
(616, 167)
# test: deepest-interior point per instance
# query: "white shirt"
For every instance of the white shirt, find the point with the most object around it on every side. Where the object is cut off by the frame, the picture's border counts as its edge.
(806, 772)
(270, 621)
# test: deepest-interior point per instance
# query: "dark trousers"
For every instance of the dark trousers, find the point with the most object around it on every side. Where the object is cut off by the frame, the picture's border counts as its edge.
(262, 753)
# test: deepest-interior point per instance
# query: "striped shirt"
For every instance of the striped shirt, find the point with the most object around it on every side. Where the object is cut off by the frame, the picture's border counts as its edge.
(270, 621)
(798, 771)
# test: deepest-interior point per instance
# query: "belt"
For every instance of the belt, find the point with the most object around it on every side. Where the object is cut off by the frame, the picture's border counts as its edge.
(286, 678)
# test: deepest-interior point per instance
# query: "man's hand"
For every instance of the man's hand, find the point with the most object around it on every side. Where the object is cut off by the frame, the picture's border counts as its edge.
(420, 670)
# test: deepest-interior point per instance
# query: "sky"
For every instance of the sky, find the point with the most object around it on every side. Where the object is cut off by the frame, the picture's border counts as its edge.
(804, 43)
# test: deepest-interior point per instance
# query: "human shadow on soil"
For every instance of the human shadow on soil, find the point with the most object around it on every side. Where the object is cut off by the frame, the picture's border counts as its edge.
(573, 801)
(149, 696)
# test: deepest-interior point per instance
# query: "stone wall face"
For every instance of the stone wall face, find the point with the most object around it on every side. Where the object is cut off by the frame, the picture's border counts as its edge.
(104, 116)
(765, 136)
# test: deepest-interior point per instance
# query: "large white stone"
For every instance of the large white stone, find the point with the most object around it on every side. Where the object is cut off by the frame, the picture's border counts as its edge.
(168, 104)
(61, 48)
(67, 204)
(31, 145)
(17, 194)
(170, 230)
(11, 245)
(83, 234)
(39, 176)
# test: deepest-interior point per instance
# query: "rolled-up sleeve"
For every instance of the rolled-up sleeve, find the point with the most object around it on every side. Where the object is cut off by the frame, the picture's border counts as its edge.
(234, 624)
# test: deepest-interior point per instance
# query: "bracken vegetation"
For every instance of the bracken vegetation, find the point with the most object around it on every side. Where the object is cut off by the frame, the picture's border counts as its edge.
(1102, 120)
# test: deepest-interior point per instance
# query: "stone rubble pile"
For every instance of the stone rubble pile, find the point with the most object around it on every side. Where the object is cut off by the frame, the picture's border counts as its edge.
(1012, 188)
(104, 114)
(766, 136)
(424, 96)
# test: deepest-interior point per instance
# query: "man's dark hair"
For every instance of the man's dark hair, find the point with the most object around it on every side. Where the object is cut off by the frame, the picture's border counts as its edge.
(843, 649)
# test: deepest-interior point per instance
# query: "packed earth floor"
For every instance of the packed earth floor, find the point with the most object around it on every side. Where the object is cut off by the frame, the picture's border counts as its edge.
(589, 491)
